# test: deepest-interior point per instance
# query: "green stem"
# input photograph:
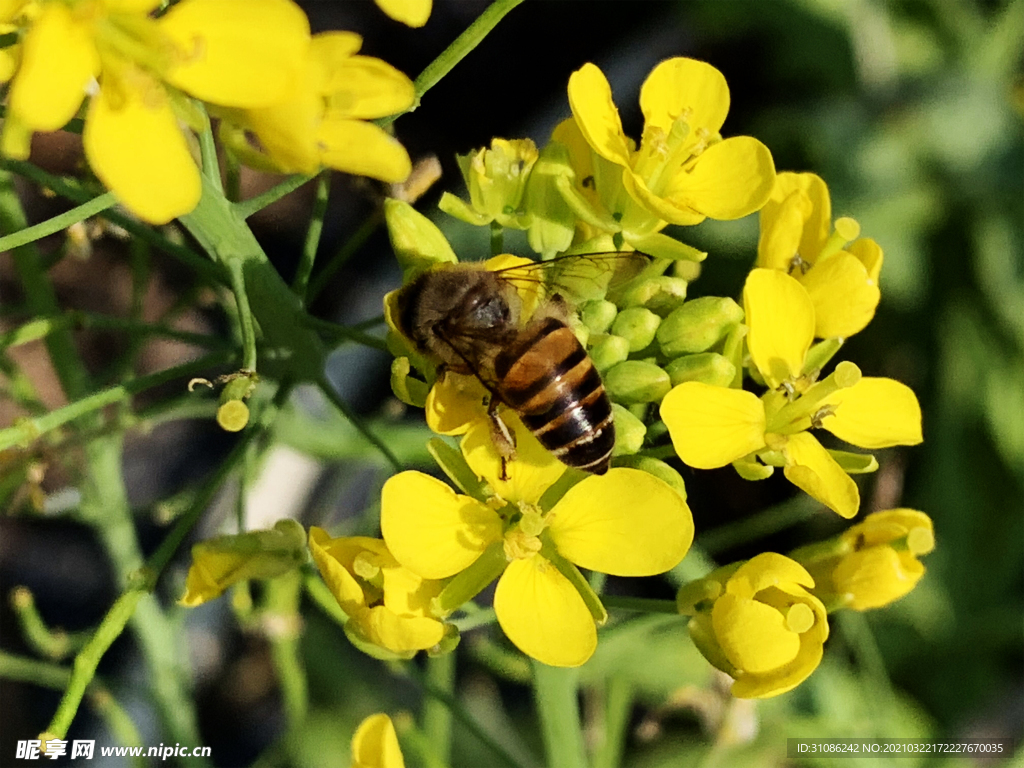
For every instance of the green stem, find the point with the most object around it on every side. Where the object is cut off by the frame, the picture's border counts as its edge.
(478, 618)
(29, 429)
(353, 244)
(39, 293)
(52, 643)
(26, 670)
(456, 52)
(40, 327)
(57, 223)
(340, 333)
(247, 208)
(640, 604)
(497, 238)
(208, 154)
(618, 705)
(70, 190)
(357, 421)
(316, 226)
(437, 718)
(460, 713)
(283, 607)
(245, 324)
(555, 693)
(771, 520)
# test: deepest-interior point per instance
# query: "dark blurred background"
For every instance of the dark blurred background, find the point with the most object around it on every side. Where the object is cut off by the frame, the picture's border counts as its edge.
(911, 111)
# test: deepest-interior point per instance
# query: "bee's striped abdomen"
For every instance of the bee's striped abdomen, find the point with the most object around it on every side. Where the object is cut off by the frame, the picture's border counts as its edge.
(550, 381)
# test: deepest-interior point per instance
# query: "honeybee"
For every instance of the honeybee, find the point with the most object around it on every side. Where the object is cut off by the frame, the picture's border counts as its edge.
(469, 319)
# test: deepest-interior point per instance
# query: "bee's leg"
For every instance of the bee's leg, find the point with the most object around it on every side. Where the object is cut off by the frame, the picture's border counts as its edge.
(503, 438)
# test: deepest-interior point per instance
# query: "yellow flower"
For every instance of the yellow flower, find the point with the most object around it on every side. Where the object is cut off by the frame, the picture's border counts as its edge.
(218, 563)
(714, 426)
(873, 563)
(323, 119)
(375, 744)
(237, 53)
(757, 622)
(387, 605)
(683, 170)
(797, 237)
(412, 13)
(542, 602)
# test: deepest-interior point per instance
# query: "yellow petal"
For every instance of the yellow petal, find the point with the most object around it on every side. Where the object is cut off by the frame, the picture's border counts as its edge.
(876, 576)
(810, 467)
(780, 317)
(769, 569)
(375, 744)
(362, 149)
(817, 210)
(788, 676)
(624, 523)
(328, 51)
(287, 129)
(364, 87)
(412, 13)
(133, 143)
(527, 477)
(590, 97)
(753, 636)
(405, 593)
(782, 225)
(713, 426)
(336, 574)
(400, 634)
(58, 60)
(430, 529)
(673, 211)
(875, 413)
(455, 403)
(843, 294)
(541, 612)
(730, 179)
(685, 86)
(239, 53)
(870, 255)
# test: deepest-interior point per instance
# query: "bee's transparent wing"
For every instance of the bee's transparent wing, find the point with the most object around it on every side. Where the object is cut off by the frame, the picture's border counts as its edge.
(579, 277)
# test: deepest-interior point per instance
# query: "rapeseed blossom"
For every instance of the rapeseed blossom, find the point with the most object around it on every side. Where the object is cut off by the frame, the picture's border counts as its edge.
(324, 117)
(870, 564)
(388, 606)
(138, 71)
(797, 237)
(375, 744)
(758, 622)
(713, 426)
(542, 602)
(683, 171)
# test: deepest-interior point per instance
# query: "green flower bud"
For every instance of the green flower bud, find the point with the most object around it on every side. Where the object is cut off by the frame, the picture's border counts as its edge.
(552, 223)
(698, 325)
(629, 431)
(598, 315)
(415, 239)
(660, 294)
(607, 351)
(637, 325)
(706, 367)
(637, 381)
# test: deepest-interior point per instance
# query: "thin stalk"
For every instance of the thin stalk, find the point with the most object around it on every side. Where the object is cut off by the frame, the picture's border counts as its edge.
(497, 238)
(283, 608)
(639, 604)
(27, 430)
(40, 327)
(70, 190)
(247, 208)
(208, 154)
(456, 52)
(57, 223)
(343, 254)
(356, 420)
(437, 718)
(555, 692)
(618, 705)
(245, 324)
(316, 226)
(771, 520)
(336, 333)
(460, 713)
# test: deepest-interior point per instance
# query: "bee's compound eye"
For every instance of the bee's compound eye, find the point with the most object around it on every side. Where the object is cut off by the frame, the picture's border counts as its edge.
(489, 312)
